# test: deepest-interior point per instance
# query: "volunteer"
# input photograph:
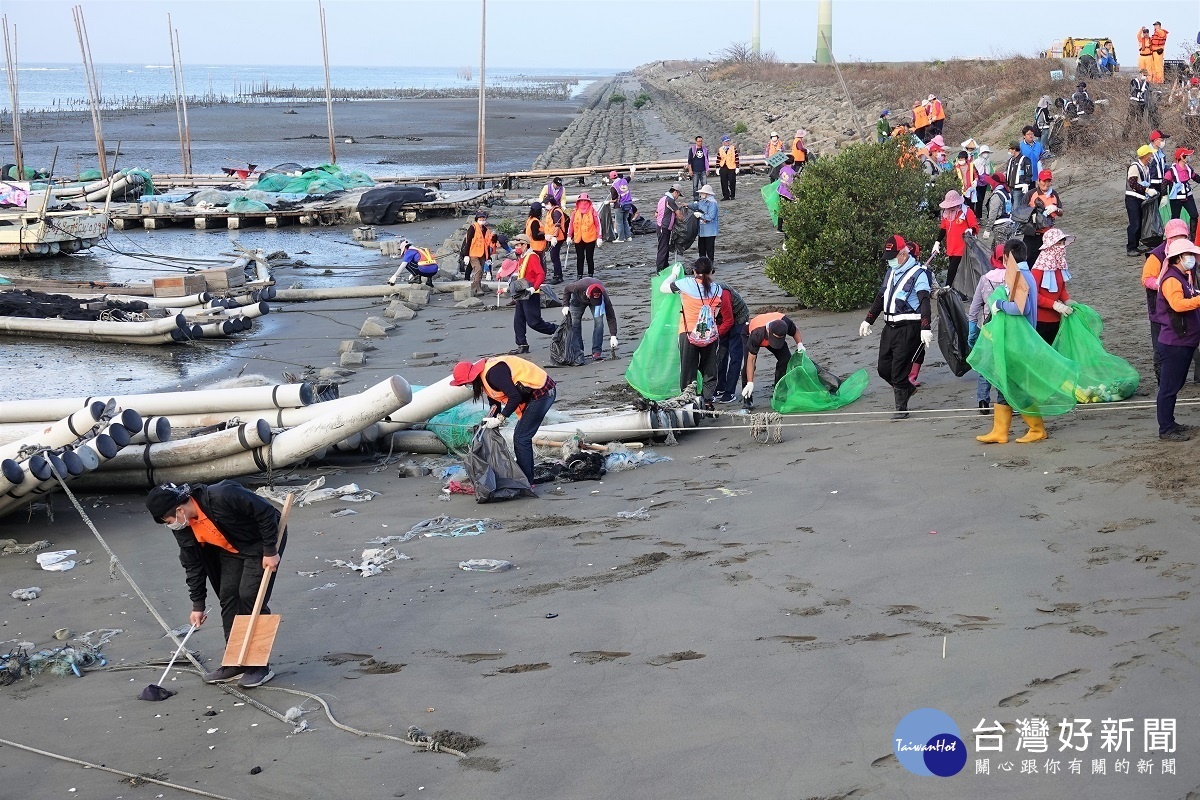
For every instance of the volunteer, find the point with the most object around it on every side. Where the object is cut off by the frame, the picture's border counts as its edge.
(1018, 174)
(227, 536)
(978, 316)
(1033, 149)
(956, 219)
(1137, 190)
(534, 232)
(999, 207)
(665, 217)
(512, 386)
(787, 176)
(528, 298)
(728, 162)
(731, 354)
(937, 115)
(1177, 181)
(1158, 45)
(1145, 52)
(476, 250)
(418, 262)
(1155, 261)
(769, 330)
(903, 301)
(589, 293)
(1051, 273)
(920, 118)
(1046, 200)
(552, 191)
(774, 145)
(622, 202)
(883, 127)
(968, 178)
(707, 315)
(707, 211)
(1041, 120)
(982, 162)
(1178, 306)
(799, 152)
(697, 166)
(584, 232)
(1158, 164)
(555, 225)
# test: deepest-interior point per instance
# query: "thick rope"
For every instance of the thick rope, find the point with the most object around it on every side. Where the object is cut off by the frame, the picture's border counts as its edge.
(130, 775)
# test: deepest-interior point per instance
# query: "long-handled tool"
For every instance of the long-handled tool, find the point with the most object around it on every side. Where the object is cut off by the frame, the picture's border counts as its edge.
(253, 634)
(155, 691)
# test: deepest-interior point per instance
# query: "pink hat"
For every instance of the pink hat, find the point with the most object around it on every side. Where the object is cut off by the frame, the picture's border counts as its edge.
(801, 132)
(953, 200)
(1180, 246)
(1176, 228)
(1055, 236)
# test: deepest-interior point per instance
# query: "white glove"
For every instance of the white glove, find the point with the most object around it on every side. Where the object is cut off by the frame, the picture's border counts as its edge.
(553, 241)
(748, 390)
(1152, 193)
(937, 248)
(1062, 308)
(599, 243)
(566, 311)
(864, 329)
(1050, 209)
(492, 422)
(697, 214)
(987, 234)
(466, 261)
(392, 281)
(800, 347)
(927, 338)
(612, 343)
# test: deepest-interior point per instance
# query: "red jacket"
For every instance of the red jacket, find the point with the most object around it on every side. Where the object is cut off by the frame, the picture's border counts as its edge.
(533, 271)
(953, 230)
(1045, 299)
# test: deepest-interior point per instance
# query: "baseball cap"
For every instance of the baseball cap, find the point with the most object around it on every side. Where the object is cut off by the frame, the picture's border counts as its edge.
(1045, 175)
(466, 371)
(894, 244)
(776, 331)
(1159, 135)
(1183, 151)
(522, 239)
(675, 187)
(556, 181)
(1145, 150)
(481, 214)
(724, 138)
(165, 498)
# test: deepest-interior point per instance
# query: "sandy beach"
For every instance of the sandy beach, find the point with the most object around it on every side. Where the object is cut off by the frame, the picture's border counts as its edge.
(759, 636)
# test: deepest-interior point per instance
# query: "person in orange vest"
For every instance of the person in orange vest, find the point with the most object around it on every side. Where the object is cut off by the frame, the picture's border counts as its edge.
(528, 299)
(937, 115)
(512, 386)
(1158, 46)
(770, 331)
(921, 121)
(477, 248)
(774, 145)
(1145, 51)
(799, 152)
(728, 161)
(538, 241)
(1046, 200)
(419, 262)
(584, 231)
(554, 223)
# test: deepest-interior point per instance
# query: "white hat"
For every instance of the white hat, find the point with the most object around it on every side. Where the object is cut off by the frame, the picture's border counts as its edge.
(985, 149)
(706, 189)
(775, 134)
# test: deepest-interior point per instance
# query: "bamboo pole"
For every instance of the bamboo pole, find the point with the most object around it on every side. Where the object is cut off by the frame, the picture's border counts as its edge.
(10, 63)
(91, 67)
(178, 112)
(481, 143)
(187, 130)
(862, 131)
(328, 88)
(93, 101)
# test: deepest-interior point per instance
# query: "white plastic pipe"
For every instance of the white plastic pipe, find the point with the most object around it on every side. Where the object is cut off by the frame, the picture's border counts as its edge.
(284, 395)
(194, 450)
(423, 442)
(333, 293)
(61, 433)
(426, 403)
(98, 330)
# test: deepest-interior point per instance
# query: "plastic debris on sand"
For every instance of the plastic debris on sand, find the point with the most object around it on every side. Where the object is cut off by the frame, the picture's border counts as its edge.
(640, 513)
(621, 459)
(485, 565)
(312, 492)
(373, 561)
(27, 594)
(57, 560)
(11, 547)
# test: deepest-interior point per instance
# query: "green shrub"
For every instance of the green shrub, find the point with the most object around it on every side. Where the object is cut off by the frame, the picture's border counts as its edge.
(641, 100)
(846, 206)
(508, 227)
(616, 97)
(740, 127)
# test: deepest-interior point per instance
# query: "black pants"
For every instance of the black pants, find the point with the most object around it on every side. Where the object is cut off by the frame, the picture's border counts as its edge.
(1177, 206)
(782, 356)
(664, 248)
(728, 183)
(1033, 245)
(898, 346)
(416, 273)
(693, 359)
(1155, 330)
(952, 270)
(556, 260)
(237, 585)
(779, 225)
(1048, 330)
(585, 251)
(707, 245)
(731, 360)
(529, 313)
(1175, 362)
(1133, 210)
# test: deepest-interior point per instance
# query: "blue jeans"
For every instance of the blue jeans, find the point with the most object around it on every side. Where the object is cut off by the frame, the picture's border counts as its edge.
(527, 426)
(621, 219)
(698, 179)
(598, 326)
(730, 360)
(983, 389)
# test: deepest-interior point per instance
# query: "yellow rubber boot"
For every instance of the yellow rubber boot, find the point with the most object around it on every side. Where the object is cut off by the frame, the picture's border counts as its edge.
(1037, 431)
(1001, 422)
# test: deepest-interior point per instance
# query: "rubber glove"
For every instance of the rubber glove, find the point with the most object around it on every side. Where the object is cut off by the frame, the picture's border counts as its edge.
(466, 261)
(1062, 308)
(800, 348)
(552, 241)
(566, 311)
(1050, 209)
(937, 248)
(493, 422)
(987, 234)
(697, 214)
(599, 242)
(1152, 193)
(864, 329)
(392, 281)
(748, 390)
(927, 338)
(612, 343)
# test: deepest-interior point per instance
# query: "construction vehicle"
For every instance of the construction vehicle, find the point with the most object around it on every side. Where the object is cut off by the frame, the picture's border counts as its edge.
(1072, 45)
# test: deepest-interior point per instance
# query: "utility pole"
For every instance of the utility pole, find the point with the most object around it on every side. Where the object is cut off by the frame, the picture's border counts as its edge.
(825, 32)
(755, 38)
(481, 144)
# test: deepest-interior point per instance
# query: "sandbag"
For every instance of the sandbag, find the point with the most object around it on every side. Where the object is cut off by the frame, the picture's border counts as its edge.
(806, 388)
(976, 262)
(492, 469)
(653, 371)
(564, 349)
(384, 205)
(1103, 377)
(770, 196)
(1151, 233)
(1033, 377)
(952, 332)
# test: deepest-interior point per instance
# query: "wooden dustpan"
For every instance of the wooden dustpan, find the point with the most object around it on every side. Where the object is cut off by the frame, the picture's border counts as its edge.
(253, 634)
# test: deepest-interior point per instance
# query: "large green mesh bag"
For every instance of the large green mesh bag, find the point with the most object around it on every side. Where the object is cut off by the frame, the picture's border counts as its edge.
(770, 196)
(354, 180)
(245, 205)
(1033, 377)
(456, 426)
(653, 371)
(272, 183)
(802, 391)
(1103, 377)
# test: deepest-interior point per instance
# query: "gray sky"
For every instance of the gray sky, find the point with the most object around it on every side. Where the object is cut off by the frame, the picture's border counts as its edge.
(591, 34)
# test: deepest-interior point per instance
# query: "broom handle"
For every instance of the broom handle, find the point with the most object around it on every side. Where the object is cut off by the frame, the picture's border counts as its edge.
(266, 581)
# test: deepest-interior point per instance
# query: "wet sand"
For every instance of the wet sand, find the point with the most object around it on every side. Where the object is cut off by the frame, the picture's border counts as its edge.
(760, 636)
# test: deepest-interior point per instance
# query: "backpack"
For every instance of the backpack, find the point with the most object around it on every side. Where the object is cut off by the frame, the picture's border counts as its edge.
(1024, 220)
(704, 330)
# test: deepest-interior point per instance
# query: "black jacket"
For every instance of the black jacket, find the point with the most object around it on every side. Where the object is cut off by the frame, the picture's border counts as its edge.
(247, 521)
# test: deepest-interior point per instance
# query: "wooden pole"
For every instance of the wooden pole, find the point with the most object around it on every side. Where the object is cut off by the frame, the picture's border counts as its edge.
(328, 88)
(91, 65)
(93, 100)
(481, 145)
(187, 130)
(10, 63)
(178, 111)
(853, 108)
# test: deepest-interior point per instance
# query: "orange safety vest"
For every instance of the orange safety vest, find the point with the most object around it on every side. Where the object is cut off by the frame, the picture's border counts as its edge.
(1145, 44)
(799, 154)
(206, 532)
(936, 111)
(762, 321)
(583, 226)
(556, 229)
(774, 146)
(479, 241)
(1158, 39)
(426, 257)
(535, 245)
(727, 157)
(920, 116)
(690, 309)
(524, 373)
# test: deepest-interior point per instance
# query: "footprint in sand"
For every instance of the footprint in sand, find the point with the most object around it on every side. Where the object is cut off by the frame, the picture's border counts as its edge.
(598, 656)
(671, 658)
(475, 658)
(519, 668)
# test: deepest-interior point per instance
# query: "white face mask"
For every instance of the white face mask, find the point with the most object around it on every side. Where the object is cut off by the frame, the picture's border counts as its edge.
(180, 522)
(1189, 262)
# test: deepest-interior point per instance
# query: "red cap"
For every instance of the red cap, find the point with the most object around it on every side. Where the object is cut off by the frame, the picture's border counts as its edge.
(465, 372)
(595, 291)
(894, 244)
(1159, 135)
(1045, 175)
(1180, 152)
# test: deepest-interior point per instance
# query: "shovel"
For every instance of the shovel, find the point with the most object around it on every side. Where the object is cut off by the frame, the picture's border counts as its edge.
(154, 692)
(253, 634)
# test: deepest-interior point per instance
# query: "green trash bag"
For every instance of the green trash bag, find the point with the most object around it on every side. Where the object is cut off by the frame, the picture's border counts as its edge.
(802, 391)
(1033, 377)
(272, 183)
(770, 196)
(244, 205)
(653, 371)
(1103, 377)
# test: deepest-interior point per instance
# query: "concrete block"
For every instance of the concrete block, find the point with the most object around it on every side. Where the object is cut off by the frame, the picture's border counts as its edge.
(462, 294)
(470, 302)
(398, 310)
(374, 326)
(353, 359)
(355, 346)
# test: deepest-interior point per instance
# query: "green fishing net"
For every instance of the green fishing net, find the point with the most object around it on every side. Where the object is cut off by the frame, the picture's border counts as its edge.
(654, 369)
(802, 389)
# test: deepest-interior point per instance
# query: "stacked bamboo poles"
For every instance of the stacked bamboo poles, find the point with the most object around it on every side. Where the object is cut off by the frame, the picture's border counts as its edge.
(328, 88)
(185, 133)
(93, 85)
(10, 64)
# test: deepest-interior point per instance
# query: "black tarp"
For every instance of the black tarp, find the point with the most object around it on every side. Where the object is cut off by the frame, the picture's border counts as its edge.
(976, 262)
(38, 305)
(382, 206)
(1151, 234)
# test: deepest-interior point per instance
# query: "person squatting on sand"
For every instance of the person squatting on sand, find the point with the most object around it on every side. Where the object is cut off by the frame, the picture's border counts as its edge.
(769, 330)
(419, 262)
(589, 293)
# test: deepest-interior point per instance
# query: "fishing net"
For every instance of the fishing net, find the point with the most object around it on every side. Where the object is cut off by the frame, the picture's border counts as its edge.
(456, 426)
(246, 205)
(272, 183)
(770, 196)
(139, 177)
(653, 370)
(1103, 377)
(90, 175)
(354, 180)
(803, 391)
(1033, 377)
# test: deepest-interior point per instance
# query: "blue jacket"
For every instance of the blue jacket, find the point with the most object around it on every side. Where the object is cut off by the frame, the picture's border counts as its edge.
(1034, 153)
(1030, 309)
(708, 215)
